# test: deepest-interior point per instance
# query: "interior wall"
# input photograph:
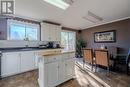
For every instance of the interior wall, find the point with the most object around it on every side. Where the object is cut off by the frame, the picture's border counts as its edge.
(3, 29)
(122, 35)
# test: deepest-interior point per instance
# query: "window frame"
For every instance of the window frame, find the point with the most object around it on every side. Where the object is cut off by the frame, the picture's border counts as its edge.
(15, 22)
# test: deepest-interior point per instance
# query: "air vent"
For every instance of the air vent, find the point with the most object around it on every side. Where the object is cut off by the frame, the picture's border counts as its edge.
(70, 2)
(92, 17)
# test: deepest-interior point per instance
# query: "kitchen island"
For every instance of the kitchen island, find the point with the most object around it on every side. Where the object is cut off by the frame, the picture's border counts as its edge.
(55, 67)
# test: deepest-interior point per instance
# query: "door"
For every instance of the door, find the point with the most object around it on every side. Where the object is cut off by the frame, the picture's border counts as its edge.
(27, 61)
(69, 68)
(52, 74)
(10, 64)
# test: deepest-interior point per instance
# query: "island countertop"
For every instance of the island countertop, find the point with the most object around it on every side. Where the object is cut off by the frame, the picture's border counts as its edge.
(55, 52)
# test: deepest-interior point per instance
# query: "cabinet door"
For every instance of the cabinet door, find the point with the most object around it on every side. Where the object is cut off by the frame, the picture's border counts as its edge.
(45, 32)
(10, 64)
(69, 68)
(52, 74)
(52, 32)
(36, 60)
(61, 72)
(71, 55)
(27, 61)
(58, 33)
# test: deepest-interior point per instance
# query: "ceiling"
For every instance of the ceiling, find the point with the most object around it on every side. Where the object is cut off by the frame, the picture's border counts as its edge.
(109, 10)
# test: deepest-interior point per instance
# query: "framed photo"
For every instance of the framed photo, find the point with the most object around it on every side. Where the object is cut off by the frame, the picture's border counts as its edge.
(105, 37)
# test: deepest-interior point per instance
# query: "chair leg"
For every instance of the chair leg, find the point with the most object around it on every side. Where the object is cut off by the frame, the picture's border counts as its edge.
(83, 63)
(127, 70)
(108, 71)
(95, 68)
(92, 67)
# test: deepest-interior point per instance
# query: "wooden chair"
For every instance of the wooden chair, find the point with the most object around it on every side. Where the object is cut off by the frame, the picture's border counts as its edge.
(102, 59)
(88, 56)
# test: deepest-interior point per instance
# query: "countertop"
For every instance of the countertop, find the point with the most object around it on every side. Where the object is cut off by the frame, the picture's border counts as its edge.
(4, 50)
(68, 51)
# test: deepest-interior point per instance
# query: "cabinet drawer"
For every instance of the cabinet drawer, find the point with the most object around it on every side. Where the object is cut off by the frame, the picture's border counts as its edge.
(68, 56)
(65, 56)
(54, 58)
(71, 55)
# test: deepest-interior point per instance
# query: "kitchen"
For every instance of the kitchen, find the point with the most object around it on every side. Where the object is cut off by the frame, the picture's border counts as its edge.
(64, 43)
(26, 53)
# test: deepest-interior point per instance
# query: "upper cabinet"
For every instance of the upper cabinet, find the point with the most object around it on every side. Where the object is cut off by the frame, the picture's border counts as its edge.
(50, 32)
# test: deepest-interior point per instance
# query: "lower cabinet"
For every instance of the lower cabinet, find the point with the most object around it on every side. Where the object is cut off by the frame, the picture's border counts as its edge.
(10, 64)
(62, 72)
(69, 69)
(17, 62)
(27, 61)
(66, 70)
(52, 74)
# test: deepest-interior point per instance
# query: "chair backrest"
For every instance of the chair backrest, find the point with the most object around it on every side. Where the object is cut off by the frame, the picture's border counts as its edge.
(102, 57)
(112, 51)
(128, 58)
(88, 55)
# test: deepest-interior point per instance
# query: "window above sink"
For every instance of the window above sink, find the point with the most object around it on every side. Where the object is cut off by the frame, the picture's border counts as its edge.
(23, 31)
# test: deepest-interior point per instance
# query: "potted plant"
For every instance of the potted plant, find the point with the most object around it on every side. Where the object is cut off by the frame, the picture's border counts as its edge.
(80, 44)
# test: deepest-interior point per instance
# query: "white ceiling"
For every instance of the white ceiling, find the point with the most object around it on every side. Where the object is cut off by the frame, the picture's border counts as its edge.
(109, 10)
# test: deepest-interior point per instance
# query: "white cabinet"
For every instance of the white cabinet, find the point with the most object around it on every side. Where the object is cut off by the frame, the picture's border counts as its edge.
(69, 67)
(52, 78)
(27, 61)
(10, 64)
(45, 32)
(50, 32)
(36, 59)
(62, 72)
(58, 33)
(17, 62)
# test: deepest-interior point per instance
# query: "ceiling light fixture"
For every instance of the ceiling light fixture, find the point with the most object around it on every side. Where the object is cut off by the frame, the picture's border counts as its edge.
(58, 3)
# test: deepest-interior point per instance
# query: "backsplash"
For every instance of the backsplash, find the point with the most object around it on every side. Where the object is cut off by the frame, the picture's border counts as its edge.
(14, 44)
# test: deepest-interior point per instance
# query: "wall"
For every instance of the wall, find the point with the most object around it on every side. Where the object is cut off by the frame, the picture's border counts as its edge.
(13, 44)
(122, 35)
(3, 29)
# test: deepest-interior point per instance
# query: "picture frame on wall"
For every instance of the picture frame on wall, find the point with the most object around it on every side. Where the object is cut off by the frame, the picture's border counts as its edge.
(105, 36)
